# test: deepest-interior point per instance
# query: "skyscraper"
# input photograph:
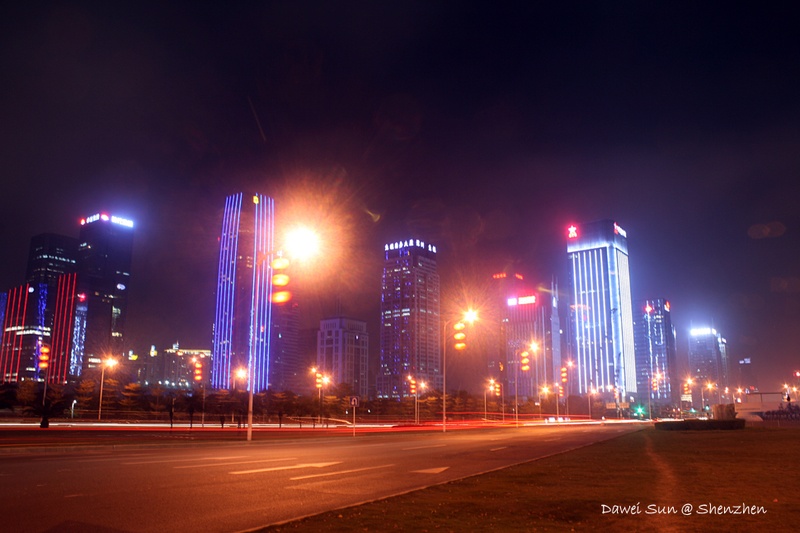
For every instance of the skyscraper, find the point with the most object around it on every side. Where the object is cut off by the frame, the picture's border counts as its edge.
(409, 335)
(708, 358)
(656, 352)
(600, 309)
(105, 253)
(343, 352)
(53, 262)
(243, 316)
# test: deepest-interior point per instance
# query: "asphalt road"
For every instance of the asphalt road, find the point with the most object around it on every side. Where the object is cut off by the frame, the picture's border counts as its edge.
(241, 486)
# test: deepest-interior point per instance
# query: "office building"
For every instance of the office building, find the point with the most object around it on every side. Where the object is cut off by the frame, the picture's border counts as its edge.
(243, 314)
(708, 363)
(343, 353)
(105, 253)
(288, 369)
(410, 337)
(656, 353)
(601, 310)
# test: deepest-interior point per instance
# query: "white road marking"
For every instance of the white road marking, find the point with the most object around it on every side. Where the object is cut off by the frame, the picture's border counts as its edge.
(498, 449)
(338, 472)
(431, 470)
(207, 465)
(291, 467)
(425, 447)
(183, 460)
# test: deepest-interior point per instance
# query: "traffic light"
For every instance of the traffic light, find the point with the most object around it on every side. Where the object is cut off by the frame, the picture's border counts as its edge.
(563, 374)
(460, 336)
(497, 389)
(686, 389)
(280, 280)
(198, 370)
(560, 391)
(654, 384)
(524, 360)
(318, 380)
(413, 386)
(44, 357)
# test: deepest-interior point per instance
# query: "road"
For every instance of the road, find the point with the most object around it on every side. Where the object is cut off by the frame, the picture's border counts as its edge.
(241, 486)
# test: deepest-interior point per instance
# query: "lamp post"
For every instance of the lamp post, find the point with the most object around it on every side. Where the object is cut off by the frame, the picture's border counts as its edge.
(544, 390)
(470, 316)
(485, 390)
(555, 395)
(250, 387)
(110, 363)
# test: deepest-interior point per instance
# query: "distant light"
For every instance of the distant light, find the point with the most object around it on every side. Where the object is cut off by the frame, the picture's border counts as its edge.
(698, 332)
(619, 231)
(648, 309)
(666, 306)
(120, 287)
(526, 300)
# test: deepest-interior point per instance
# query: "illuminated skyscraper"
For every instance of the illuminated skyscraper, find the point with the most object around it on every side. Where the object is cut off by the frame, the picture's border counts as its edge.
(410, 337)
(243, 317)
(600, 309)
(105, 253)
(53, 262)
(343, 352)
(656, 352)
(708, 357)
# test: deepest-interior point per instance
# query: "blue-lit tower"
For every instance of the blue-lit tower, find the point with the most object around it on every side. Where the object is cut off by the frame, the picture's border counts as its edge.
(656, 352)
(243, 317)
(600, 309)
(410, 336)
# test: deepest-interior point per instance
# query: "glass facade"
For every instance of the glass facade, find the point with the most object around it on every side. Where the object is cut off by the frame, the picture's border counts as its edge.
(601, 309)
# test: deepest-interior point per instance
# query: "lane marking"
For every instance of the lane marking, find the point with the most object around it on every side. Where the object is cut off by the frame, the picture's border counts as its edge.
(338, 472)
(184, 460)
(431, 470)
(207, 465)
(291, 467)
(424, 447)
(498, 449)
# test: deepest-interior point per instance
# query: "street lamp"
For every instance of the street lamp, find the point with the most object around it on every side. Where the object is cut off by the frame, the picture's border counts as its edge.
(241, 373)
(110, 363)
(544, 391)
(470, 316)
(689, 383)
(485, 390)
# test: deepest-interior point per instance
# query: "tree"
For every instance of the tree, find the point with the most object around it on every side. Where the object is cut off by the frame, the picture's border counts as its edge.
(85, 393)
(26, 394)
(132, 398)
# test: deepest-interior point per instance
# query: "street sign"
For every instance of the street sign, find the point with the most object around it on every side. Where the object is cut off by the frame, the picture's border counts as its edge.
(354, 401)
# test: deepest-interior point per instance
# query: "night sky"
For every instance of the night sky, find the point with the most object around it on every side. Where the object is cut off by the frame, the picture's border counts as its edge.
(485, 128)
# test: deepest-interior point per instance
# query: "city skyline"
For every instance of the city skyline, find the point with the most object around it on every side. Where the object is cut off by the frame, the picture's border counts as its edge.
(486, 131)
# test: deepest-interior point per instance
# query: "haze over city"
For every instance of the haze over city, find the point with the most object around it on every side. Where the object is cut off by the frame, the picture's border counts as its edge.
(486, 130)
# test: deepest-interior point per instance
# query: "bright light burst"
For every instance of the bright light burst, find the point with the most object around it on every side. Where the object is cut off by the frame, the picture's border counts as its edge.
(302, 243)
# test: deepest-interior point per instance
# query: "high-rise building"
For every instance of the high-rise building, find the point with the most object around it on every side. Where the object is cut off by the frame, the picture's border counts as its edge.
(243, 316)
(708, 361)
(287, 369)
(51, 256)
(53, 261)
(105, 253)
(24, 332)
(410, 339)
(656, 352)
(601, 309)
(343, 353)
